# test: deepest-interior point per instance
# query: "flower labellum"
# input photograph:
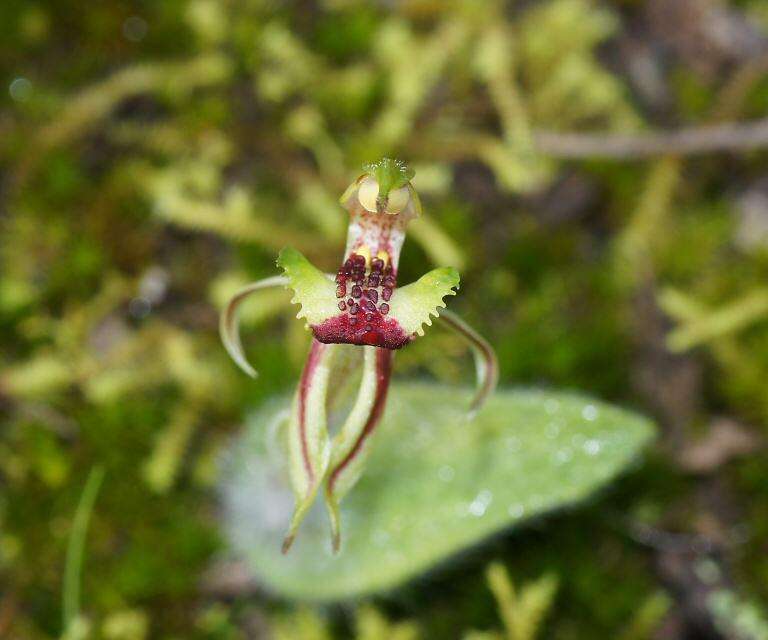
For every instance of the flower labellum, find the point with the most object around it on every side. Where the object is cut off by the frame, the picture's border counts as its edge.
(359, 308)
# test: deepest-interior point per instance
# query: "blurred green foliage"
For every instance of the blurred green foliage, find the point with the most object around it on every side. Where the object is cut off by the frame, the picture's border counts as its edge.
(156, 155)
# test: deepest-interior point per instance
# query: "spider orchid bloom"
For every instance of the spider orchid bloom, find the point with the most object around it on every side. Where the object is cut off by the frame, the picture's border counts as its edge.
(358, 311)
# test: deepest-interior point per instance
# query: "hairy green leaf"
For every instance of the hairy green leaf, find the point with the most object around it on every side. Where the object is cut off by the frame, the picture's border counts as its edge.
(435, 484)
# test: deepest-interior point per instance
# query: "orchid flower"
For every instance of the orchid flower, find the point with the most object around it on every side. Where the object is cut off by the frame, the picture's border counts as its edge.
(358, 309)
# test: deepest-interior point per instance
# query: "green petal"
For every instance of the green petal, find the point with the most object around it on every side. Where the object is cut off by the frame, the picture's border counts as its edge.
(486, 363)
(413, 304)
(229, 329)
(314, 290)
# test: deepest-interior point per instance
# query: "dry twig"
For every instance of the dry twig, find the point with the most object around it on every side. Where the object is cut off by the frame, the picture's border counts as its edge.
(690, 141)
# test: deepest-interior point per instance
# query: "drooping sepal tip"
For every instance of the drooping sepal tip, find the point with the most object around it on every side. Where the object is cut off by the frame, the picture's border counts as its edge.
(287, 543)
(299, 513)
(334, 518)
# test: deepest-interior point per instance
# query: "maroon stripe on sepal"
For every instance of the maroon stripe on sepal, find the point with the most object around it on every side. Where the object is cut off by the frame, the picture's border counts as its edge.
(315, 353)
(383, 375)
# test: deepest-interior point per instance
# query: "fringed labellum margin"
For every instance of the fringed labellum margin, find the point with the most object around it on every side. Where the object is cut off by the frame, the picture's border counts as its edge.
(359, 305)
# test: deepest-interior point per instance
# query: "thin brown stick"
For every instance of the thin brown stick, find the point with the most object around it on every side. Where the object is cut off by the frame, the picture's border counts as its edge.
(690, 141)
(731, 98)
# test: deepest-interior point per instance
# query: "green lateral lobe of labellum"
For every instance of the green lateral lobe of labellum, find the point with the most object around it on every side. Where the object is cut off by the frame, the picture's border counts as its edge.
(413, 304)
(433, 485)
(313, 290)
